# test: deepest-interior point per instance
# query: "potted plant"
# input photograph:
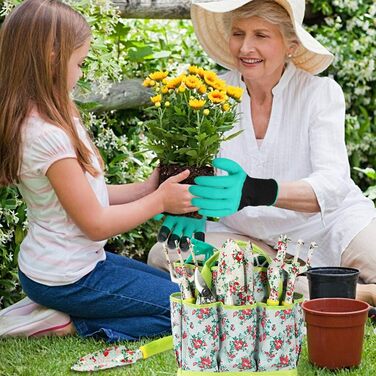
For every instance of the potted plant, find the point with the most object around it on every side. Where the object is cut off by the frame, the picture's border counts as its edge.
(191, 115)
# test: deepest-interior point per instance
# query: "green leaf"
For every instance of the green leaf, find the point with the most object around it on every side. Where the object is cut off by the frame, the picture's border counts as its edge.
(192, 153)
(10, 204)
(19, 235)
(233, 135)
(370, 172)
(139, 54)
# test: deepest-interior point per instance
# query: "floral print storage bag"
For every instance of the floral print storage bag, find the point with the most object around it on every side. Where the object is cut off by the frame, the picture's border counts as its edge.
(244, 338)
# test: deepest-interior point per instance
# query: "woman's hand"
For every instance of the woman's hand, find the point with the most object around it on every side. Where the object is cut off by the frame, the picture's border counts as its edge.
(220, 196)
(175, 197)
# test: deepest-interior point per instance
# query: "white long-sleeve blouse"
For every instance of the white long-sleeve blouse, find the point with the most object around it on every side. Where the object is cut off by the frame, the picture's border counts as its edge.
(305, 140)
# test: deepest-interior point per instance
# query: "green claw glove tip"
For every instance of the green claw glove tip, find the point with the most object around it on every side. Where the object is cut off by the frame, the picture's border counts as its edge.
(177, 229)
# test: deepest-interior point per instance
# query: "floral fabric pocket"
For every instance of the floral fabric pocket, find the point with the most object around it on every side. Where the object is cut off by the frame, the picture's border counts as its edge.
(200, 337)
(276, 338)
(176, 325)
(237, 334)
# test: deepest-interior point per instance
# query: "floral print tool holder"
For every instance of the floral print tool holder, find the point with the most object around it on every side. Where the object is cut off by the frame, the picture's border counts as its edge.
(239, 334)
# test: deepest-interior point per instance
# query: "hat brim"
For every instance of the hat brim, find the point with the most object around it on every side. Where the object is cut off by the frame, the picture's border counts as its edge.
(207, 19)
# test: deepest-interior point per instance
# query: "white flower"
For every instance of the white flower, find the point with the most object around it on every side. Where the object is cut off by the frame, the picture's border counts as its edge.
(6, 7)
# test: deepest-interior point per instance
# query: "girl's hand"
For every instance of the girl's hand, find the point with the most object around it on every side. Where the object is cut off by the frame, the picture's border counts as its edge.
(151, 183)
(176, 198)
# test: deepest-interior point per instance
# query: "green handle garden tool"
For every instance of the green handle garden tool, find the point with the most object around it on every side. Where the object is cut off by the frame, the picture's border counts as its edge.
(117, 356)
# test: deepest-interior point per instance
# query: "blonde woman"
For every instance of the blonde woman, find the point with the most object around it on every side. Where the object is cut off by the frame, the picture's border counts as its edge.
(288, 171)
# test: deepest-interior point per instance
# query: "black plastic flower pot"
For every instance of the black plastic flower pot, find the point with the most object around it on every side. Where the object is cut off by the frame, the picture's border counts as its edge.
(332, 282)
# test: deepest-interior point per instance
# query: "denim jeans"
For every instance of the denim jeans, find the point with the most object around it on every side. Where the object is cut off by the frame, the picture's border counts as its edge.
(121, 299)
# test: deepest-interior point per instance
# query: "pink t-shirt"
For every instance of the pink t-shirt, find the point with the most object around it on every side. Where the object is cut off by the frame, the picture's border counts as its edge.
(55, 251)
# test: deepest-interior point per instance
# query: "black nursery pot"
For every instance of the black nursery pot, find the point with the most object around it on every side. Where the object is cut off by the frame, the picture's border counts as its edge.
(332, 282)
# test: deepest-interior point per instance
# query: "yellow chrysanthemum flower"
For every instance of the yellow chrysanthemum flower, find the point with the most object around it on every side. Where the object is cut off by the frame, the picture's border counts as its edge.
(210, 78)
(193, 82)
(235, 92)
(158, 76)
(164, 90)
(196, 104)
(226, 107)
(148, 82)
(206, 112)
(201, 72)
(202, 89)
(181, 88)
(193, 69)
(219, 85)
(217, 96)
(174, 82)
(156, 98)
(167, 104)
(158, 104)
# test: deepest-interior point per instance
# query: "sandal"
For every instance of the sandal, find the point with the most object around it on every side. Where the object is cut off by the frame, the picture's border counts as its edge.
(38, 322)
(21, 308)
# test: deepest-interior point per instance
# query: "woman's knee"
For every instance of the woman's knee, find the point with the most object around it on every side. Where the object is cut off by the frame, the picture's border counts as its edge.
(157, 258)
(361, 253)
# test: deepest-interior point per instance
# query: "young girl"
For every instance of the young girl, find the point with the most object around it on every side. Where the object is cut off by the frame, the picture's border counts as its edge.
(45, 150)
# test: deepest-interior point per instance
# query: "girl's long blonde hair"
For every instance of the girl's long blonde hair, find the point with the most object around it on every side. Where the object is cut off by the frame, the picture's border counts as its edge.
(36, 42)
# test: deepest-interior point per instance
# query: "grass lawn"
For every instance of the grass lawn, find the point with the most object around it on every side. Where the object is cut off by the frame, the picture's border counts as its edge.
(54, 356)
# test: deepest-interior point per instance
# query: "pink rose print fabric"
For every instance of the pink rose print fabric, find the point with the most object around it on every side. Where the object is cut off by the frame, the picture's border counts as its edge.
(238, 334)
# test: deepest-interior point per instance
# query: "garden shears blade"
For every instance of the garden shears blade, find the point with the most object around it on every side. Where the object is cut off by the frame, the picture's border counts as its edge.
(206, 295)
(117, 356)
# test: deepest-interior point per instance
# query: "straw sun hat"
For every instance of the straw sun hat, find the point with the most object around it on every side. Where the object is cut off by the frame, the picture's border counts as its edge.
(207, 19)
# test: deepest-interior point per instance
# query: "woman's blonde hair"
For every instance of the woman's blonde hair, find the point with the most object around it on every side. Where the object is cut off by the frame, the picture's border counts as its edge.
(268, 10)
(37, 40)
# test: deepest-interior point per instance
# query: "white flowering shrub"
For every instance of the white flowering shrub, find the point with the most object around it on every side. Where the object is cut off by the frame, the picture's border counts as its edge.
(13, 226)
(348, 29)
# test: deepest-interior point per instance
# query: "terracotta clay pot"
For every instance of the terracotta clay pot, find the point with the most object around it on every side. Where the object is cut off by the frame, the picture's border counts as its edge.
(335, 331)
(166, 171)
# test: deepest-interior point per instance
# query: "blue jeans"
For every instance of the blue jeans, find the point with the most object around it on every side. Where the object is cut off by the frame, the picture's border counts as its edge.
(121, 299)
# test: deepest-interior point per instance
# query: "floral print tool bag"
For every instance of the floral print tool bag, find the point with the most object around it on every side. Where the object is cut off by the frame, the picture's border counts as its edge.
(238, 333)
(247, 329)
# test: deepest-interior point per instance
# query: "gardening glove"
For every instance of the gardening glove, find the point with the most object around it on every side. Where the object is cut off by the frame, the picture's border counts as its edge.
(220, 196)
(200, 248)
(180, 229)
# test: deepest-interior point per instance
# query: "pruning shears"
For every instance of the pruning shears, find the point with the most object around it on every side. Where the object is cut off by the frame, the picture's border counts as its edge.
(205, 294)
